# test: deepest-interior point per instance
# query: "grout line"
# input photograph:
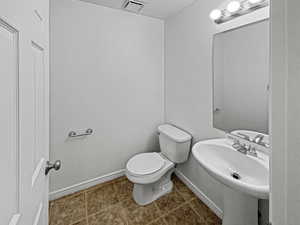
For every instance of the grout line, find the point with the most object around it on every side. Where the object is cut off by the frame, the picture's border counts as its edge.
(178, 190)
(100, 211)
(77, 193)
(153, 221)
(87, 190)
(77, 221)
(200, 194)
(165, 221)
(198, 214)
(108, 207)
(181, 194)
(156, 206)
(172, 210)
(195, 211)
(160, 212)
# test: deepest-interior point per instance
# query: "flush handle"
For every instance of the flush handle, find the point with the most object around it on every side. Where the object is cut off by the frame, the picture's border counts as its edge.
(56, 166)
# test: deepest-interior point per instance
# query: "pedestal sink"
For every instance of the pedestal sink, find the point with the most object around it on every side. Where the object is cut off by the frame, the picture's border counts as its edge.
(246, 178)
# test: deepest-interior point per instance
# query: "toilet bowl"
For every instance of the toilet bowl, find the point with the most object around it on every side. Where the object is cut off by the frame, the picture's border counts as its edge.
(151, 175)
(151, 172)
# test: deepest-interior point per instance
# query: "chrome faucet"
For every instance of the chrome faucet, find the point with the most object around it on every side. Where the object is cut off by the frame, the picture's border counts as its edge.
(244, 149)
(252, 151)
(259, 139)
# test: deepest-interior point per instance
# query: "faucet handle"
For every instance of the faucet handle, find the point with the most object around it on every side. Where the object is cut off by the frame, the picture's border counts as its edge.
(236, 144)
(267, 145)
(258, 138)
(248, 147)
(252, 151)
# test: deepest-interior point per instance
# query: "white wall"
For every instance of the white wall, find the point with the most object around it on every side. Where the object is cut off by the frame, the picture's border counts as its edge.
(107, 71)
(189, 85)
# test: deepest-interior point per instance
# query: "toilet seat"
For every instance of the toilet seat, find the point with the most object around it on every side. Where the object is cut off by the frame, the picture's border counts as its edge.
(145, 164)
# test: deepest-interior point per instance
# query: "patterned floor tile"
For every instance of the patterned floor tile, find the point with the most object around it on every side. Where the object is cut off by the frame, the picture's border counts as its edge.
(169, 202)
(114, 215)
(67, 210)
(123, 189)
(82, 222)
(101, 198)
(158, 222)
(185, 192)
(111, 203)
(205, 213)
(140, 215)
(184, 216)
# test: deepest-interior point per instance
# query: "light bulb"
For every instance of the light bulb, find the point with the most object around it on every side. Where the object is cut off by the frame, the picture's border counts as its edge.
(215, 14)
(233, 6)
(255, 1)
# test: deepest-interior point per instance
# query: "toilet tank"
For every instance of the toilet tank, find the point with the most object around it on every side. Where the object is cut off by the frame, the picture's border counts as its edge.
(174, 143)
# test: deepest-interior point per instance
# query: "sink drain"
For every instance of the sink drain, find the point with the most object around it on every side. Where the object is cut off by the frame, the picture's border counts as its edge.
(236, 176)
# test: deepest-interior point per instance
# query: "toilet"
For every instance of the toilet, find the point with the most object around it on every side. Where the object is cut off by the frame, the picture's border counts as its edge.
(151, 172)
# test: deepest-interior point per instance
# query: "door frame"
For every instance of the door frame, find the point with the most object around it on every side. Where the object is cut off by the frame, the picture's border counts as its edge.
(285, 109)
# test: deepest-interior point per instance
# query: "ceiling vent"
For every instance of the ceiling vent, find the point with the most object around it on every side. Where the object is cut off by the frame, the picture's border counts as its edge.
(133, 6)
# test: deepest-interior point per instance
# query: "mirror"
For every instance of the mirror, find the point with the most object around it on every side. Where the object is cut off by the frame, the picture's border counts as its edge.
(241, 78)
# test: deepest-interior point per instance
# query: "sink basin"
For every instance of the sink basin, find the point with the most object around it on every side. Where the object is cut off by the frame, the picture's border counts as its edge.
(246, 178)
(222, 161)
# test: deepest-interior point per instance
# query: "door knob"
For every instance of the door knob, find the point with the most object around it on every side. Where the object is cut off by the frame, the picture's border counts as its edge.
(56, 166)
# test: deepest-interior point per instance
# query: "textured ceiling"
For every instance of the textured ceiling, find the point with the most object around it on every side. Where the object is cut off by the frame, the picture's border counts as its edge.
(155, 8)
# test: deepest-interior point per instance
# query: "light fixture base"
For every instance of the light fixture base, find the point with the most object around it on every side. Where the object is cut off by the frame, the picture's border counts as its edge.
(243, 11)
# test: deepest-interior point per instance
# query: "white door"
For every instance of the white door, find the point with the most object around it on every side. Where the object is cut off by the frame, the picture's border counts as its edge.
(24, 111)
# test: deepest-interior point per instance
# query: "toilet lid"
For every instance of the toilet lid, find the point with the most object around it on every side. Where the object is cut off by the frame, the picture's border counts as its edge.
(146, 163)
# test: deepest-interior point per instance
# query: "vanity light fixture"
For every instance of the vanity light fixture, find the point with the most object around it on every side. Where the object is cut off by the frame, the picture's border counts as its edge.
(216, 14)
(235, 9)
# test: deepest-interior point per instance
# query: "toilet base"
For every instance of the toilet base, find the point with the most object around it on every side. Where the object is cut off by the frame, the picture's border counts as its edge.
(144, 194)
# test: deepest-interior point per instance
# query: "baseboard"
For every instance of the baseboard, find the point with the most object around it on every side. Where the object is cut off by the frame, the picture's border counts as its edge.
(85, 184)
(200, 194)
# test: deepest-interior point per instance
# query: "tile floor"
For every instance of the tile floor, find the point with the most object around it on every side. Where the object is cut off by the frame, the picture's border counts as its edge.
(111, 204)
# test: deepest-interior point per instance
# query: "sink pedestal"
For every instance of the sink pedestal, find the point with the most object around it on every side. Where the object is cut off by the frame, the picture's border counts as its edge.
(239, 208)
